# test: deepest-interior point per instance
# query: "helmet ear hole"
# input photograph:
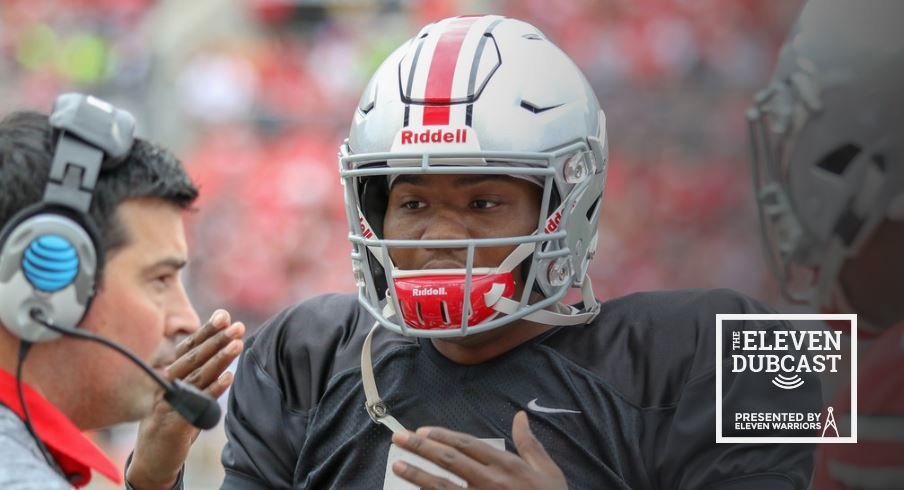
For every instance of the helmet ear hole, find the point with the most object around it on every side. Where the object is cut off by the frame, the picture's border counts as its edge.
(378, 274)
(839, 159)
(554, 201)
(374, 196)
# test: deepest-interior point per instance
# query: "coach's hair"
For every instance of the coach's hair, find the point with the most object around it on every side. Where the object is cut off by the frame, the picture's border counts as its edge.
(26, 151)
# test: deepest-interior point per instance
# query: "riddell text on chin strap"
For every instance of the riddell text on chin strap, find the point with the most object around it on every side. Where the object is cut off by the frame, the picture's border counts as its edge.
(195, 406)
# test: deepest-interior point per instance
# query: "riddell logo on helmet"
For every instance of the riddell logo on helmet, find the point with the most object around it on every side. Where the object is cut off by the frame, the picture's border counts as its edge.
(429, 292)
(552, 224)
(434, 136)
(365, 230)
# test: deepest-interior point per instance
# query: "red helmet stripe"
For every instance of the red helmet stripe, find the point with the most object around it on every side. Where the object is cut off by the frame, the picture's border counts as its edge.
(442, 70)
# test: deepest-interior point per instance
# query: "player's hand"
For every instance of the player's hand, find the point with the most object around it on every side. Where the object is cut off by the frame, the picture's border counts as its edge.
(164, 437)
(478, 463)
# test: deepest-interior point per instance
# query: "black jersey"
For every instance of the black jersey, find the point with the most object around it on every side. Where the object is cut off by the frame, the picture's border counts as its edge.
(627, 401)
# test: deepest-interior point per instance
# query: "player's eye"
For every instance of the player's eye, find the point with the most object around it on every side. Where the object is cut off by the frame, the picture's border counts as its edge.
(483, 204)
(413, 204)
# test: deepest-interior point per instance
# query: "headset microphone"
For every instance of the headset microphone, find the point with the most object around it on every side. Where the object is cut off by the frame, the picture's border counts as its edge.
(192, 404)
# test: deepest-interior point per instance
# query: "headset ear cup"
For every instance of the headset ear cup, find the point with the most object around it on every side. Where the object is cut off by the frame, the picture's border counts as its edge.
(48, 263)
(49, 252)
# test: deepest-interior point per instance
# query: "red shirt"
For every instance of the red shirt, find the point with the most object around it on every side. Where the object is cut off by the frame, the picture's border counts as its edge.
(74, 453)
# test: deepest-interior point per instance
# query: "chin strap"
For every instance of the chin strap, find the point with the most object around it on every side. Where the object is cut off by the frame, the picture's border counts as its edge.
(549, 317)
(375, 407)
(508, 306)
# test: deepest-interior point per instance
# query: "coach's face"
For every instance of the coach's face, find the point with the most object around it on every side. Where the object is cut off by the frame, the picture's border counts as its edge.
(142, 305)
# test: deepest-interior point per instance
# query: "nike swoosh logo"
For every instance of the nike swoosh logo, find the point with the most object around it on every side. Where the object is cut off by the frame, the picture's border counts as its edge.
(533, 407)
(537, 109)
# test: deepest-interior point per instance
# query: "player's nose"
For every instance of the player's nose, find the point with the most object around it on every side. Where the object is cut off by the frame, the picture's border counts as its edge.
(444, 224)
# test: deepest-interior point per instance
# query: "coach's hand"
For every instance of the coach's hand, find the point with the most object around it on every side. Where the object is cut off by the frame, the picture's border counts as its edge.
(478, 463)
(164, 437)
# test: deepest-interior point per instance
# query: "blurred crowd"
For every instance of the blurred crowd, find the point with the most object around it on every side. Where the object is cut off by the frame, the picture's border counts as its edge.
(256, 96)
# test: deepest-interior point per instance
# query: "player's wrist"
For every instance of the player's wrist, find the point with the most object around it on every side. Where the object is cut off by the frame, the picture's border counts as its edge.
(138, 477)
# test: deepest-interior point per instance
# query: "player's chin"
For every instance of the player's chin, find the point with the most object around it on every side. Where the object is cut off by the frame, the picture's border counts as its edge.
(478, 338)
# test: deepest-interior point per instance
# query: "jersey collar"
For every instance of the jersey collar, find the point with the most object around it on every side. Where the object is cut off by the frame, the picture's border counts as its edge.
(74, 452)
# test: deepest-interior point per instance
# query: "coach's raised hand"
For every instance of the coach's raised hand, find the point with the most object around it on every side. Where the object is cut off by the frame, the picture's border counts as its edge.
(164, 438)
(478, 463)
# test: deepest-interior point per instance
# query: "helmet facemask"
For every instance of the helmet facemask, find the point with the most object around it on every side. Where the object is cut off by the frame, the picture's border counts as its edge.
(432, 302)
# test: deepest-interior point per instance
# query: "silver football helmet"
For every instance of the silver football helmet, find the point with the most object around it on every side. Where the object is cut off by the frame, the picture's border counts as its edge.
(827, 146)
(477, 95)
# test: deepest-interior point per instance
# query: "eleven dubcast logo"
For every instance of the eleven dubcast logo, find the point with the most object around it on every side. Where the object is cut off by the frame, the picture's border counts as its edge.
(767, 378)
(787, 353)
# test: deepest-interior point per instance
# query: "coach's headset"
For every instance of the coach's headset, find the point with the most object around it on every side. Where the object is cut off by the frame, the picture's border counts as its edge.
(50, 252)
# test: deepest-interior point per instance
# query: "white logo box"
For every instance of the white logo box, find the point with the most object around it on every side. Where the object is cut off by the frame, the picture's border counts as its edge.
(852, 322)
